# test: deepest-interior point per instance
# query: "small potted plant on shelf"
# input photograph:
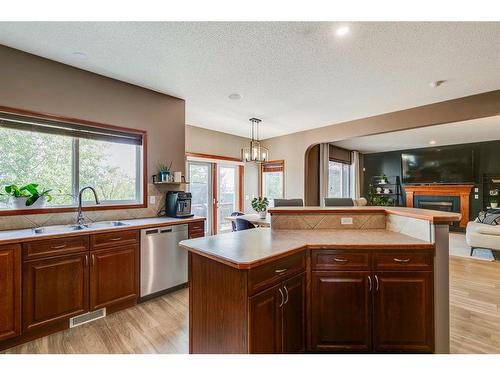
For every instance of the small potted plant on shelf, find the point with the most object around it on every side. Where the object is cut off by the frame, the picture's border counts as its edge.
(28, 196)
(494, 202)
(164, 172)
(260, 205)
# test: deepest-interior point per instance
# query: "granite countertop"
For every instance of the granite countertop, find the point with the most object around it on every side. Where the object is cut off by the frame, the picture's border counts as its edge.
(26, 235)
(253, 247)
(433, 216)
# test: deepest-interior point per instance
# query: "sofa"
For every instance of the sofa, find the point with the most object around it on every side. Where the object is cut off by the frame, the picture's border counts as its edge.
(484, 236)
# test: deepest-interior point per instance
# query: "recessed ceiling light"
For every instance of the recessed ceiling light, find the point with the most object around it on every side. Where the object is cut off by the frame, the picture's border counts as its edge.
(342, 31)
(234, 96)
(80, 55)
(433, 142)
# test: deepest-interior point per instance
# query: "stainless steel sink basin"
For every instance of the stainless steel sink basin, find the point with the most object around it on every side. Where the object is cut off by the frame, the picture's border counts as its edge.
(107, 224)
(74, 227)
(58, 229)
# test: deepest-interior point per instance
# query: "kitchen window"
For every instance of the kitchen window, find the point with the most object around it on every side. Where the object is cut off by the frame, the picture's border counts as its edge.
(66, 156)
(272, 177)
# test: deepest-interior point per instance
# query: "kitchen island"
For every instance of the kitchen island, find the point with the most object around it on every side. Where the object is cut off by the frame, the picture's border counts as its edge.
(361, 279)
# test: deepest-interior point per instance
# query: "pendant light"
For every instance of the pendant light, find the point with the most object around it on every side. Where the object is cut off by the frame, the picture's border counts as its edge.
(256, 152)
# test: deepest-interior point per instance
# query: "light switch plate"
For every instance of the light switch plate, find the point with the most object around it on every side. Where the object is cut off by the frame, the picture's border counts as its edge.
(476, 190)
(152, 199)
(346, 220)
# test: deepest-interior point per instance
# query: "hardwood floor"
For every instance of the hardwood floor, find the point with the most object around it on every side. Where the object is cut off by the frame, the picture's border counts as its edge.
(161, 325)
(474, 306)
(156, 326)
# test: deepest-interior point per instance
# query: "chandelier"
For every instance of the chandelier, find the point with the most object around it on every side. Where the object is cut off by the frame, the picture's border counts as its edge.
(256, 152)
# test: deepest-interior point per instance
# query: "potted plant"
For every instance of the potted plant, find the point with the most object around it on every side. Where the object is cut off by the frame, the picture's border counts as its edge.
(494, 202)
(164, 172)
(260, 205)
(28, 196)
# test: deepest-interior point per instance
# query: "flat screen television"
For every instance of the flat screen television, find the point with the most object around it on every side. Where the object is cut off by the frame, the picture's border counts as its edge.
(451, 165)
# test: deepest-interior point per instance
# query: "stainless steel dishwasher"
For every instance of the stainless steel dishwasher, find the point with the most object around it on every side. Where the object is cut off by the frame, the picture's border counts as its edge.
(164, 263)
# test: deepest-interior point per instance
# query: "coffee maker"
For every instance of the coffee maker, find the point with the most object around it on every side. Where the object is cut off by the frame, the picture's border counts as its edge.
(178, 204)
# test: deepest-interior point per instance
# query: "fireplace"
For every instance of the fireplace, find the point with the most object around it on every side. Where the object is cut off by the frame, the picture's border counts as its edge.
(444, 203)
(450, 198)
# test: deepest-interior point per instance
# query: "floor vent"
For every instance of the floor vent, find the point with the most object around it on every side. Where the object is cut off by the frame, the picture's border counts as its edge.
(87, 317)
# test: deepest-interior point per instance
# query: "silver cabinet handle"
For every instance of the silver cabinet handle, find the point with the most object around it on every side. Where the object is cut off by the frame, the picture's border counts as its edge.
(115, 239)
(369, 283)
(58, 247)
(280, 270)
(282, 297)
(286, 297)
(341, 260)
(376, 283)
(93, 259)
(406, 260)
(86, 261)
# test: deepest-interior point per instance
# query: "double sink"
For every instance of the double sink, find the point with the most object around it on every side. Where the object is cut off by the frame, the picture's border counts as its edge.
(77, 227)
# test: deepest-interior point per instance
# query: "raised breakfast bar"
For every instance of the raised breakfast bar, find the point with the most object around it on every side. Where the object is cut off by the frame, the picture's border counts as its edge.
(360, 279)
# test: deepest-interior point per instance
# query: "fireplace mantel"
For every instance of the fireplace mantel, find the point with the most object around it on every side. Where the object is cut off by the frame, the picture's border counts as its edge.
(462, 191)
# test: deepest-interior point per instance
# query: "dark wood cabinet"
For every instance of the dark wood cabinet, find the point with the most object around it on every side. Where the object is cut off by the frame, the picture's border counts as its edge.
(403, 312)
(113, 276)
(10, 291)
(264, 323)
(341, 304)
(196, 229)
(54, 289)
(294, 315)
(277, 318)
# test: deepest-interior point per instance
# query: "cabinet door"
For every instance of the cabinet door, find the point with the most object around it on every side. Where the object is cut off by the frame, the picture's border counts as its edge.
(10, 291)
(54, 289)
(341, 311)
(264, 324)
(113, 276)
(293, 314)
(404, 312)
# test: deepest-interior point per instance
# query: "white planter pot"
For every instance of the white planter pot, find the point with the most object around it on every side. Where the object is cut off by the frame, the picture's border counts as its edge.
(494, 205)
(20, 203)
(262, 214)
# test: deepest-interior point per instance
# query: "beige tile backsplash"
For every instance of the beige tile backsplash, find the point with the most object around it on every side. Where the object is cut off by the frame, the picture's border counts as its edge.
(327, 221)
(33, 221)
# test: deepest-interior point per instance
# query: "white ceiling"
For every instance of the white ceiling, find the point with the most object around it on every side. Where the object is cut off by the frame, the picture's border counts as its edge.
(479, 130)
(295, 76)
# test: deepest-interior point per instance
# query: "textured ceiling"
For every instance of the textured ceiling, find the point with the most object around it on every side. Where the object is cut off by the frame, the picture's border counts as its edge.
(295, 76)
(479, 130)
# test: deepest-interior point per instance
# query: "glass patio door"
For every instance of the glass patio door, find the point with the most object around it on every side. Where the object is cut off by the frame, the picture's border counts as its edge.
(200, 186)
(227, 199)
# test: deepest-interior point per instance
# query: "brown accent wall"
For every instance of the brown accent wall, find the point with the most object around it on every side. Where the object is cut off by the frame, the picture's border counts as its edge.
(311, 186)
(292, 148)
(41, 85)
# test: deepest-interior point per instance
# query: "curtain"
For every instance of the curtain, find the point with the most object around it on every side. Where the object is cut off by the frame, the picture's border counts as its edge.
(324, 157)
(355, 175)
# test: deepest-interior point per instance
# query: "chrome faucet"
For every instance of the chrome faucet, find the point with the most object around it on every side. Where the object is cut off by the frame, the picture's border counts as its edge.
(80, 221)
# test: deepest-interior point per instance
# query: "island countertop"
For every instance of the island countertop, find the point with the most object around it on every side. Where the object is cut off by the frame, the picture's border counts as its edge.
(254, 247)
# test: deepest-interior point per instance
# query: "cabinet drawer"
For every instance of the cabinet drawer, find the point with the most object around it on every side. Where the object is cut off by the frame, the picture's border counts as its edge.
(403, 261)
(196, 229)
(269, 274)
(103, 240)
(340, 260)
(57, 246)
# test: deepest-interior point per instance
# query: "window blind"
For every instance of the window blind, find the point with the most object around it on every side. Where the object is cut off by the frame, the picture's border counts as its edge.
(70, 129)
(272, 167)
(340, 155)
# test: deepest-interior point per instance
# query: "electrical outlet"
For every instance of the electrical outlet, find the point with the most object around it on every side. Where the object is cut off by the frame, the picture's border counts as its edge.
(476, 196)
(346, 220)
(152, 199)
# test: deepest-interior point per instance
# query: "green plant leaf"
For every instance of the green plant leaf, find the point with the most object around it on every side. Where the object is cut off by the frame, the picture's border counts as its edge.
(32, 199)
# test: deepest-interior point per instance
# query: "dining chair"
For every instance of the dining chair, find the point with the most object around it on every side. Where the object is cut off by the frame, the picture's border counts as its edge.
(288, 202)
(339, 202)
(233, 224)
(243, 224)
